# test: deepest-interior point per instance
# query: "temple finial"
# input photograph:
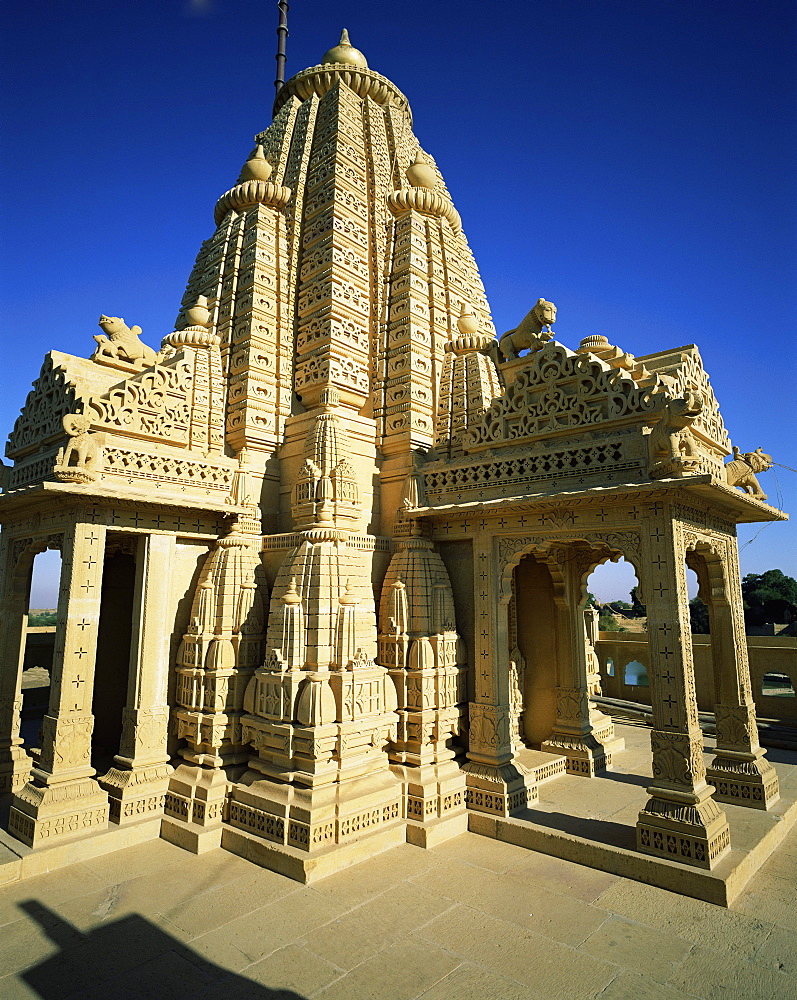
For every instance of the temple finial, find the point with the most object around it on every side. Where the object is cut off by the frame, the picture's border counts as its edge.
(345, 54)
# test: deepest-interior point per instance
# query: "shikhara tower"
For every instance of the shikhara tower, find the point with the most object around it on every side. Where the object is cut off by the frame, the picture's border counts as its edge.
(353, 537)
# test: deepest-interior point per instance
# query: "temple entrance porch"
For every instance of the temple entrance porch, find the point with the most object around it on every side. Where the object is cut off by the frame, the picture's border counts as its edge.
(593, 823)
(531, 659)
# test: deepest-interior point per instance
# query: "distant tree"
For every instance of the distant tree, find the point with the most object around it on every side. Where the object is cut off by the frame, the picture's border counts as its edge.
(638, 608)
(769, 597)
(608, 623)
(698, 617)
(37, 619)
(592, 601)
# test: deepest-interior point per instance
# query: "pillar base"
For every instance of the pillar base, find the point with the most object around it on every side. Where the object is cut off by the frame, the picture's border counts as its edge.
(434, 801)
(44, 814)
(135, 793)
(499, 789)
(744, 779)
(15, 767)
(587, 754)
(685, 827)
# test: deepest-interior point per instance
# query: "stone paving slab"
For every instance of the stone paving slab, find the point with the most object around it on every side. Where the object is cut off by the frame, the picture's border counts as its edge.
(472, 919)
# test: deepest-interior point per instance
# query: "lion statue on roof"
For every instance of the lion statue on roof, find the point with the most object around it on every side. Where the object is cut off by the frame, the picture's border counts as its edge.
(122, 343)
(532, 332)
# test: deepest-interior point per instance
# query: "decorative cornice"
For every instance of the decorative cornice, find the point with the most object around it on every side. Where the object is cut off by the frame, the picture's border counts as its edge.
(250, 193)
(421, 199)
(318, 80)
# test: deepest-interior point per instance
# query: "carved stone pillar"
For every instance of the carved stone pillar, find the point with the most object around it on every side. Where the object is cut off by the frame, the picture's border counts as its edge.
(740, 772)
(582, 732)
(136, 785)
(15, 764)
(496, 782)
(62, 799)
(681, 821)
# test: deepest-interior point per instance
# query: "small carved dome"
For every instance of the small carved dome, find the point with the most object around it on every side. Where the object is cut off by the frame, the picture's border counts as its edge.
(345, 54)
(596, 340)
(421, 174)
(257, 167)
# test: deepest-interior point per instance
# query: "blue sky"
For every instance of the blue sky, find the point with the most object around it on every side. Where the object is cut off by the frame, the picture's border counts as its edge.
(632, 160)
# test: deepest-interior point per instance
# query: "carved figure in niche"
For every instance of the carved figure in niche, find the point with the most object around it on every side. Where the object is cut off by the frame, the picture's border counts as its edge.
(517, 675)
(80, 461)
(122, 343)
(742, 468)
(533, 331)
(593, 664)
(671, 446)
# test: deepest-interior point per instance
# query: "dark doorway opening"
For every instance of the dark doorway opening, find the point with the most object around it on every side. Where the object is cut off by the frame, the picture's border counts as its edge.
(113, 653)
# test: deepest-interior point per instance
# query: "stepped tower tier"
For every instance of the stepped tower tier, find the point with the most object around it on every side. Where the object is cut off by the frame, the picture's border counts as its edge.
(338, 269)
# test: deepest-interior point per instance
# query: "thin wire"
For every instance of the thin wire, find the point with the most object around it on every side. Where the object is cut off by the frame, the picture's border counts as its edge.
(750, 540)
(784, 466)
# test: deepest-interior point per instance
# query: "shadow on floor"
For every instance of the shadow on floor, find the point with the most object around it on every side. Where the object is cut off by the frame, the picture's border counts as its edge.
(780, 755)
(627, 779)
(131, 959)
(600, 830)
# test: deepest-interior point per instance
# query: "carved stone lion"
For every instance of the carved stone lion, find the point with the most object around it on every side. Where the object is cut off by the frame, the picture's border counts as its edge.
(742, 468)
(533, 331)
(671, 445)
(122, 343)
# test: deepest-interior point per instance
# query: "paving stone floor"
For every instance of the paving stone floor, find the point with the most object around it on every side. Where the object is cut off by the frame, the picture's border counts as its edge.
(473, 919)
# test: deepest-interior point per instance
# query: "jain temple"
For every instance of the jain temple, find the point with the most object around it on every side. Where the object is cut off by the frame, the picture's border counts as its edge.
(325, 547)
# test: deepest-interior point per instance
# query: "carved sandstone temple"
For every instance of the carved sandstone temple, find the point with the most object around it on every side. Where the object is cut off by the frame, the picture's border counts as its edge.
(324, 555)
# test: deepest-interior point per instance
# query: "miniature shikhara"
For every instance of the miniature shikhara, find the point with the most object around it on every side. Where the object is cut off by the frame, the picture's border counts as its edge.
(325, 551)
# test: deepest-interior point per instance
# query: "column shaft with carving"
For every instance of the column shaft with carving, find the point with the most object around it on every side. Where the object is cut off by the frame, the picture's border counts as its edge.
(582, 732)
(740, 772)
(137, 782)
(62, 798)
(681, 821)
(14, 762)
(496, 783)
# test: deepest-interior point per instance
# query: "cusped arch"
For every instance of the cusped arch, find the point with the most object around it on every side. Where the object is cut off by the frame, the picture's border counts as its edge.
(540, 549)
(23, 562)
(705, 558)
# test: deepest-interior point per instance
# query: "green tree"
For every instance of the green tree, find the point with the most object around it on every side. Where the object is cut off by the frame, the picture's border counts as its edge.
(769, 597)
(38, 618)
(608, 623)
(698, 617)
(638, 609)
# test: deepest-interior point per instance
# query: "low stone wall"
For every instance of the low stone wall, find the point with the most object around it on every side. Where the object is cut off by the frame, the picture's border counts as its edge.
(39, 646)
(768, 655)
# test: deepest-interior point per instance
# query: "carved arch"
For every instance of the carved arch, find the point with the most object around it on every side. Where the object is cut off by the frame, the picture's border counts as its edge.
(706, 557)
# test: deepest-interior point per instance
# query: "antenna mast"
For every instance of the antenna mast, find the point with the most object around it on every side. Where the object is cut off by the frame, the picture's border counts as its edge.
(282, 35)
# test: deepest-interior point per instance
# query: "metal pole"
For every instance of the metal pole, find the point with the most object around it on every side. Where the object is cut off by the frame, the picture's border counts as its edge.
(282, 35)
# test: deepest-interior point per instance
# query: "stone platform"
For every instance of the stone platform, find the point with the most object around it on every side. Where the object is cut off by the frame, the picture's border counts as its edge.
(468, 920)
(592, 822)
